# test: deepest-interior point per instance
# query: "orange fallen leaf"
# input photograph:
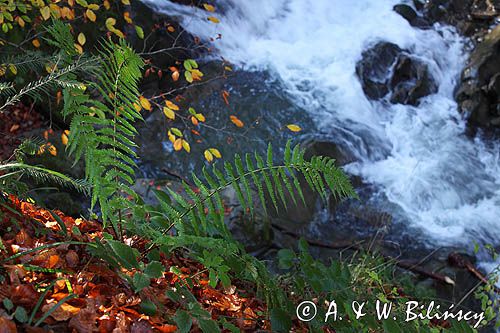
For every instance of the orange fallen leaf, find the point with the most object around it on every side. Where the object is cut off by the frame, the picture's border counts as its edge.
(7, 325)
(166, 328)
(62, 313)
(236, 121)
(53, 260)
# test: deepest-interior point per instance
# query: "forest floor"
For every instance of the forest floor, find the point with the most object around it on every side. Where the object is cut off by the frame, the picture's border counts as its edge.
(61, 287)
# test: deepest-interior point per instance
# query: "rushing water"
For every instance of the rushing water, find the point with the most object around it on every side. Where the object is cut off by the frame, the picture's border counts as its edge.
(442, 182)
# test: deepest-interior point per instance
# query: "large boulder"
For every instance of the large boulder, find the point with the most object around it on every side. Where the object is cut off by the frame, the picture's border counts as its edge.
(478, 93)
(387, 71)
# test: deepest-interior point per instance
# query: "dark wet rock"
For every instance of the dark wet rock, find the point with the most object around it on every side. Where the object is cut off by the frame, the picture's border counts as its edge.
(373, 69)
(387, 70)
(406, 12)
(409, 14)
(471, 17)
(328, 149)
(411, 81)
(478, 93)
(254, 233)
(419, 4)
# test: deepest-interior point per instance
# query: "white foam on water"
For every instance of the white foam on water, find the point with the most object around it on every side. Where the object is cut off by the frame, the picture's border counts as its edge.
(446, 184)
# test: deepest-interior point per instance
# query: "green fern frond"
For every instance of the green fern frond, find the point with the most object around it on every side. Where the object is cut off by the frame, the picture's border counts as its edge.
(204, 207)
(46, 84)
(61, 38)
(102, 127)
(40, 174)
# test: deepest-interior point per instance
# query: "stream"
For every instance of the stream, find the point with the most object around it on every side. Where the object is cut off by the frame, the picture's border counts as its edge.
(295, 62)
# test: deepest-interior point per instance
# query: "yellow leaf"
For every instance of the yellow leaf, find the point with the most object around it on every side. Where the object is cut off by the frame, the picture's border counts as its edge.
(236, 121)
(106, 4)
(196, 74)
(200, 117)
(170, 28)
(126, 17)
(186, 146)
(137, 107)
(50, 67)
(45, 11)
(215, 152)
(169, 113)
(13, 69)
(64, 137)
(78, 48)
(20, 21)
(171, 137)
(93, 6)
(117, 32)
(213, 19)
(90, 15)
(55, 10)
(145, 103)
(126, 2)
(294, 128)
(36, 43)
(110, 23)
(171, 105)
(66, 13)
(178, 144)
(208, 7)
(81, 38)
(208, 155)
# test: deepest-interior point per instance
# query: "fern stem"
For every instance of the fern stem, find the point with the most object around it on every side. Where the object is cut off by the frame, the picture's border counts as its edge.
(218, 189)
(41, 83)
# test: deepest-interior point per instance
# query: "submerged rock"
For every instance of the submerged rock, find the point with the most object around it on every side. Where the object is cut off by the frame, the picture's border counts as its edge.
(387, 70)
(478, 93)
(411, 81)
